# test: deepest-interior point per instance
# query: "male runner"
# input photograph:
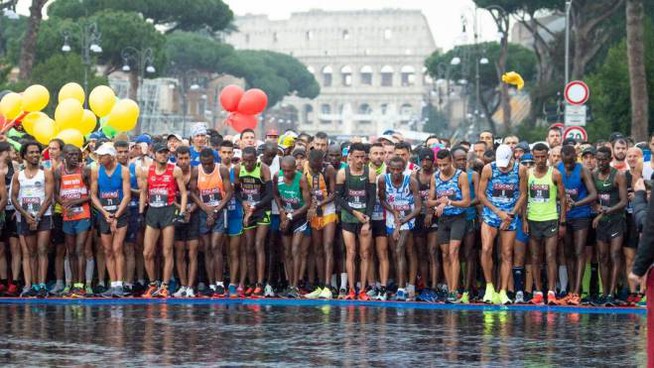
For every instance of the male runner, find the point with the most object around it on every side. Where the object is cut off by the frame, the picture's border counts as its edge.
(31, 193)
(500, 194)
(270, 157)
(619, 155)
(161, 183)
(487, 137)
(133, 248)
(9, 236)
(378, 223)
(111, 193)
(57, 238)
(355, 195)
(248, 138)
(321, 142)
(72, 182)
(554, 137)
(545, 222)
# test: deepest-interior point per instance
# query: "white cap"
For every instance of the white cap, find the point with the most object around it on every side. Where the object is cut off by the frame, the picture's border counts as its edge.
(198, 129)
(106, 149)
(503, 155)
(387, 137)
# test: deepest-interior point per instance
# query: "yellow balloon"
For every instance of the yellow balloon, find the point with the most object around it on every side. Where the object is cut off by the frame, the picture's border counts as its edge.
(87, 125)
(71, 136)
(101, 100)
(124, 115)
(35, 98)
(514, 79)
(10, 105)
(71, 90)
(29, 121)
(44, 130)
(68, 114)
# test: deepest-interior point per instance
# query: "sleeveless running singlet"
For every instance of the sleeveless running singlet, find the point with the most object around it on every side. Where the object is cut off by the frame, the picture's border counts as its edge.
(72, 187)
(110, 188)
(400, 199)
(32, 193)
(210, 186)
(575, 189)
(449, 188)
(162, 189)
(541, 197)
(355, 194)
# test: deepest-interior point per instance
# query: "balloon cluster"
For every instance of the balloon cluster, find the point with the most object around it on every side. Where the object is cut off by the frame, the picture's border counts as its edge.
(243, 106)
(514, 79)
(71, 121)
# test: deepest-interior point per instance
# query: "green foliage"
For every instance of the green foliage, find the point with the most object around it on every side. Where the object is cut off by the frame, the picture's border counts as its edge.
(187, 15)
(277, 74)
(11, 37)
(436, 122)
(609, 89)
(186, 50)
(514, 6)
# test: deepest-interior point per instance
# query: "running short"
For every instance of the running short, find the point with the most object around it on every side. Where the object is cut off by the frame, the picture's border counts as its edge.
(57, 235)
(494, 221)
(451, 228)
(275, 223)
(187, 231)
(44, 225)
(577, 224)
(320, 222)
(632, 237)
(421, 229)
(592, 236)
(610, 229)
(160, 217)
(472, 225)
(378, 228)
(132, 225)
(539, 230)
(104, 228)
(10, 230)
(235, 225)
(258, 219)
(219, 225)
(299, 225)
(520, 235)
(352, 227)
(76, 226)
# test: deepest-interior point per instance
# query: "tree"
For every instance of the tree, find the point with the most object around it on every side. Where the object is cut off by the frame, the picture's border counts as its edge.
(277, 74)
(185, 50)
(637, 76)
(187, 15)
(29, 41)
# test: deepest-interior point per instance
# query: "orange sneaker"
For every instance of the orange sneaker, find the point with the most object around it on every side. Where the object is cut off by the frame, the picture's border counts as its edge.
(363, 296)
(162, 292)
(249, 290)
(553, 300)
(152, 288)
(573, 299)
(537, 298)
(351, 295)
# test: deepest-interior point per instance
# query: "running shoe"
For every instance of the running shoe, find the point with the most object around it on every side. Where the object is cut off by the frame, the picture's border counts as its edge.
(66, 292)
(503, 298)
(426, 295)
(56, 290)
(293, 292)
(268, 291)
(537, 299)
(109, 293)
(12, 290)
(364, 296)
(190, 293)
(43, 291)
(382, 295)
(451, 298)
(220, 291)
(351, 295)
(180, 293)
(519, 297)
(400, 296)
(411, 292)
(610, 301)
(599, 301)
(465, 298)
(118, 292)
(489, 295)
(553, 300)
(249, 291)
(643, 301)
(636, 298)
(573, 299)
(314, 294)
(29, 292)
(240, 292)
(99, 289)
(258, 291)
(152, 288)
(372, 292)
(88, 291)
(342, 293)
(162, 292)
(325, 293)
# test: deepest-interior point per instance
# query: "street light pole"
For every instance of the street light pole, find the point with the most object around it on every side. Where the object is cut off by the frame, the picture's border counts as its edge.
(143, 60)
(568, 7)
(89, 40)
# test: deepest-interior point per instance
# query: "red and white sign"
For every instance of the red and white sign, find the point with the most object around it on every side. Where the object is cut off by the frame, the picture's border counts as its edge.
(578, 133)
(576, 92)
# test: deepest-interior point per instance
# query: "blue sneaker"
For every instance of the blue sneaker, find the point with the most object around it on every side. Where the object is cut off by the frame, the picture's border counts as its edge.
(231, 290)
(400, 296)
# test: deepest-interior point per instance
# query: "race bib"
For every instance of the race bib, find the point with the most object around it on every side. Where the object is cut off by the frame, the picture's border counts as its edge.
(503, 192)
(31, 204)
(539, 193)
(604, 199)
(109, 201)
(158, 197)
(210, 197)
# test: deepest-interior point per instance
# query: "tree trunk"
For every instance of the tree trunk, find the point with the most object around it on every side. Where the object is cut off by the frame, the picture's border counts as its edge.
(28, 49)
(134, 86)
(637, 77)
(504, 88)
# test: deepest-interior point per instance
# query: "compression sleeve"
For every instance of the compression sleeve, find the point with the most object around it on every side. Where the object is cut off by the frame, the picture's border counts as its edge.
(645, 255)
(268, 195)
(340, 198)
(371, 190)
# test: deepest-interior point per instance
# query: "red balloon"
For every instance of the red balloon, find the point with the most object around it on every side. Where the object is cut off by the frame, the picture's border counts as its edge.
(230, 97)
(253, 102)
(240, 121)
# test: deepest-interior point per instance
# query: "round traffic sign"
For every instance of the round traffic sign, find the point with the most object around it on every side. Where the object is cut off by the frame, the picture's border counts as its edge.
(577, 133)
(576, 92)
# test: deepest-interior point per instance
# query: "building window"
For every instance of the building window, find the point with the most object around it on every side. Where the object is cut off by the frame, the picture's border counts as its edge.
(325, 109)
(346, 34)
(309, 35)
(247, 38)
(405, 111)
(275, 39)
(327, 76)
(383, 108)
(408, 75)
(387, 76)
(346, 75)
(364, 109)
(388, 34)
(308, 114)
(366, 75)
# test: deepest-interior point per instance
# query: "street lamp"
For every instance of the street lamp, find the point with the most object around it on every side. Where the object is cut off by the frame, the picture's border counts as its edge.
(90, 43)
(189, 80)
(568, 7)
(142, 60)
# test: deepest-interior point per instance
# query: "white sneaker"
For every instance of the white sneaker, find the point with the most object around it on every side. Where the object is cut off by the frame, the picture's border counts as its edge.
(411, 292)
(519, 298)
(180, 293)
(326, 293)
(268, 292)
(57, 289)
(190, 293)
(314, 294)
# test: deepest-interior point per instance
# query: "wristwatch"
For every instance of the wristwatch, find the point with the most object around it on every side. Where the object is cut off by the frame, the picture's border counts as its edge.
(289, 216)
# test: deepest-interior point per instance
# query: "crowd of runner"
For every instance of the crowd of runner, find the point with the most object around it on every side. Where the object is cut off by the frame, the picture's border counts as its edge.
(299, 216)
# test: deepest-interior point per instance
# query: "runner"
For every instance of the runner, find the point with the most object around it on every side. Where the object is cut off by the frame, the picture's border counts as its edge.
(9, 230)
(212, 194)
(58, 239)
(450, 195)
(501, 197)
(161, 184)
(5, 149)
(72, 182)
(273, 247)
(355, 195)
(31, 193)
(610, 223)
(293, 199)
(133, 242)
(378, 224)
(553, 137)
(399, 194)
(619, 152)
(545, 222)
(111, 193)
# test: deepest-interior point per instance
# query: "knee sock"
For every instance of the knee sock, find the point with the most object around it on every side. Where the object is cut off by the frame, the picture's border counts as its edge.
(90, 267)
(334, 281)
(519, 278)
(594, 279)
(67, 272)
(344, 280)
(563, 278)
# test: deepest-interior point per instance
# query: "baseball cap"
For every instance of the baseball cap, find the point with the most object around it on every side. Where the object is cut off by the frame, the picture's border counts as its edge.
(503, 155)
(615, 136)
(589, 150)
(286, 141)
(426, 153)
(569, 141)
(527, 158)
(524, 146)
(106, 149)
(160, 147)
(96, 136)
(198, 129)
(177, 136)
(143, 138)
(299, 151)
(272, 133)
(387, 137)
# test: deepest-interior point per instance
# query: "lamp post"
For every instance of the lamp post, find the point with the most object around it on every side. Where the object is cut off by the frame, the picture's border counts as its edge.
(142, 60)
(189, 80)
(89, 37)
(568, 7)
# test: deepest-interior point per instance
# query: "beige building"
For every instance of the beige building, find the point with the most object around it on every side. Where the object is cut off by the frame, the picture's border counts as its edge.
(369, 64)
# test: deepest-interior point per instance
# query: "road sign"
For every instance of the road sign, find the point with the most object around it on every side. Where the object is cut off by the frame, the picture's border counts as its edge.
(576, 92)
(578, 133)
(575, 115)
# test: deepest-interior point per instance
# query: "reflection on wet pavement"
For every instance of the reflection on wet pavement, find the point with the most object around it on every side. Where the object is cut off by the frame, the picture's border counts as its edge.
(192, 335)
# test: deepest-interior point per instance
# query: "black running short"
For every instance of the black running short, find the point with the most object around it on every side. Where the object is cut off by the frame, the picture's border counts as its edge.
(104, 228)
(451, 228)
(610, 229)
(188, 231)
(160, 217)
(57, 235)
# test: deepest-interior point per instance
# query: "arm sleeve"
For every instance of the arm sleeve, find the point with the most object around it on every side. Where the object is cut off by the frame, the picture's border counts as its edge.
(371, 189)
(645, 255)
(267, 196)
(640, 209)
(340, 198)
